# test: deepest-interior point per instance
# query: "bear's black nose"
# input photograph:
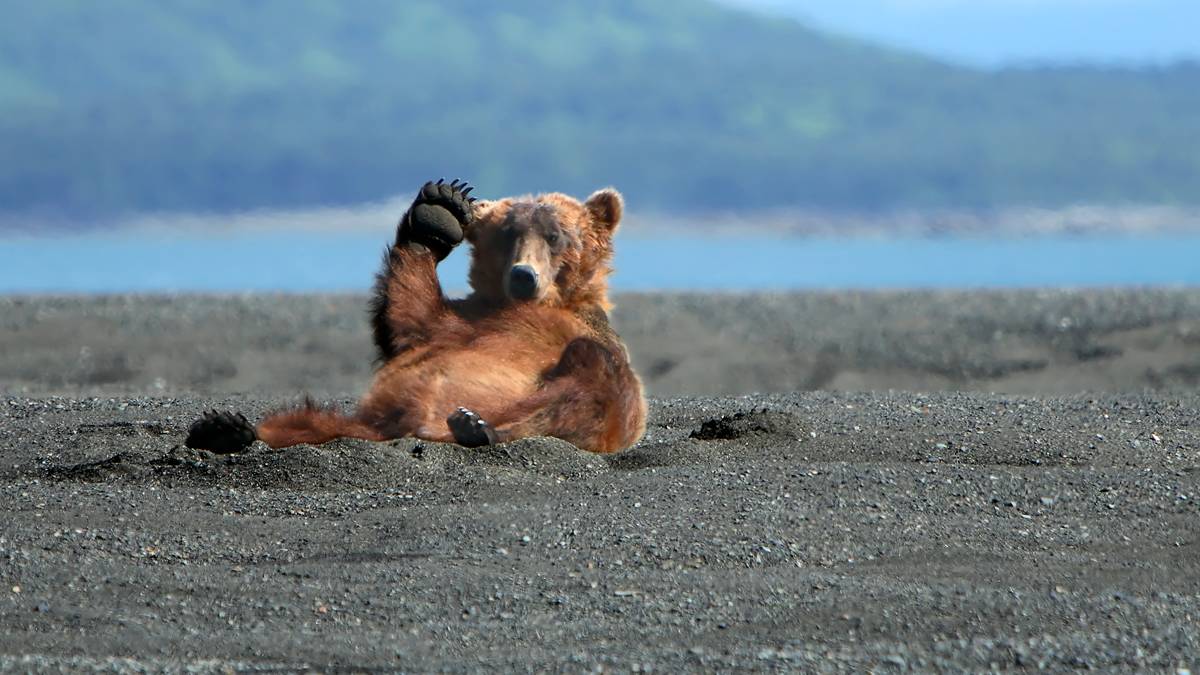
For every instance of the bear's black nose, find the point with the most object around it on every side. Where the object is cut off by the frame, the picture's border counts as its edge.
(522, 282)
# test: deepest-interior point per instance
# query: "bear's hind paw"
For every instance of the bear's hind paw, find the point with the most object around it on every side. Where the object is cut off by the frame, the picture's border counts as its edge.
(221, 432)
(470, 430)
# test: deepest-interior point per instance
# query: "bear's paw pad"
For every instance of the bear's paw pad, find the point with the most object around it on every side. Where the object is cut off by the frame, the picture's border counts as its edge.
(439, 215)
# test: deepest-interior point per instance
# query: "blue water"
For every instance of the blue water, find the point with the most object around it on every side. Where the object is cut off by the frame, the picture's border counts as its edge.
(329, 261)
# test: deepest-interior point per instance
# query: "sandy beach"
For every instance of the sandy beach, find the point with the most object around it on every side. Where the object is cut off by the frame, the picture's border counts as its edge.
(923, 481)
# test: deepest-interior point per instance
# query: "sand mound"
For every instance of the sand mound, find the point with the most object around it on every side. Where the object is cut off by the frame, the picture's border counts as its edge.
(758, 423)
(338, 465)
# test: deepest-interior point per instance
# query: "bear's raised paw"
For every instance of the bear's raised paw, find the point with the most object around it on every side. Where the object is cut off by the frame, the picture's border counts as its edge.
(438, 216)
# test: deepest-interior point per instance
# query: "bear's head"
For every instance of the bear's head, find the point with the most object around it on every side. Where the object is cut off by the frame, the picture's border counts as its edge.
(550, 249)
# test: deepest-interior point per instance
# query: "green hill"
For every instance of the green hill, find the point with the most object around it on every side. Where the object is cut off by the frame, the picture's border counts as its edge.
(192, 104)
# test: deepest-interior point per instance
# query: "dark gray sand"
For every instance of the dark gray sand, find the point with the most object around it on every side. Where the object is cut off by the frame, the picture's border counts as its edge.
(1030, 342)
(825, 531)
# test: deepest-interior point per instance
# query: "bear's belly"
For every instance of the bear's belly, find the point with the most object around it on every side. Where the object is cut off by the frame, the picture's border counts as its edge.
(482, 384)
(488, 376)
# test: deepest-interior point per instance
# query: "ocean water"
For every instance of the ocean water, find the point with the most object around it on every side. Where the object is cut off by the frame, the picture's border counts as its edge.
(272, 260)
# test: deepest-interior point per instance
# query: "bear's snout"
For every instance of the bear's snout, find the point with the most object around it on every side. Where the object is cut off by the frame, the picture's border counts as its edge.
(522, 282)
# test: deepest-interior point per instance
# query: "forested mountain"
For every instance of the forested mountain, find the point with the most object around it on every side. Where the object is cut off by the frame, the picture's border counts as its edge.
(129, 105)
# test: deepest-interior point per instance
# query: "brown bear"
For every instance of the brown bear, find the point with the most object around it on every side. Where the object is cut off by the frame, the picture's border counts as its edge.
(529, 353)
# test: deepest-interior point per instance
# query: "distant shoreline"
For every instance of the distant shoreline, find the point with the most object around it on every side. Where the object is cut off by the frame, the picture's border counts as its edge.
(1017, 221)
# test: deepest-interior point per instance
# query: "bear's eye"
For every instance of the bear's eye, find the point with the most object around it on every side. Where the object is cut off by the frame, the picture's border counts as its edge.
(552, 238)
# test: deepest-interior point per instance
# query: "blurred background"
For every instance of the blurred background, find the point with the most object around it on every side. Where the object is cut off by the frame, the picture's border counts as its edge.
(149, 145)
(762, 145)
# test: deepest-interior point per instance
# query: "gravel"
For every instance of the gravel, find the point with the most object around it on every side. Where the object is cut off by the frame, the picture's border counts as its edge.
(818, 531)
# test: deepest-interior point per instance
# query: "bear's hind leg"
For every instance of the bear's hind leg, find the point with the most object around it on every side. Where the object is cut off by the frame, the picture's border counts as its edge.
(312, 424)
(227, 432)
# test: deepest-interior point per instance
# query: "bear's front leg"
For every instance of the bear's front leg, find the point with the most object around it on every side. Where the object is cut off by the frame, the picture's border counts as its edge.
(408, 299)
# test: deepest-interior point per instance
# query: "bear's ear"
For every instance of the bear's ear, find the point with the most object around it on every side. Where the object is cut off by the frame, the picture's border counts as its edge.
(606, 207)
(481, 211)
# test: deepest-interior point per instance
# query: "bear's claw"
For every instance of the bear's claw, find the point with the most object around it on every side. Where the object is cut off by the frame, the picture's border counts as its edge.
(221, 432)
(438, 216)
(470, 430)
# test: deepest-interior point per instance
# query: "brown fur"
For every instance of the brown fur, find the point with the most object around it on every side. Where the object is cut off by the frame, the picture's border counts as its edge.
(549, 365)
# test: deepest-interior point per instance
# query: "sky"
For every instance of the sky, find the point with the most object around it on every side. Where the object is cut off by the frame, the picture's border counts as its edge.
(992, 33)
